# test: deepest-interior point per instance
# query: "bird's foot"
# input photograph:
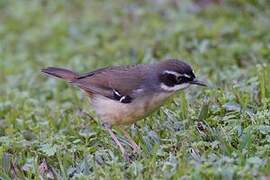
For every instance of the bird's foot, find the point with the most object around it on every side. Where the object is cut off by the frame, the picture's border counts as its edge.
(126, 156)
(130, 157)
(136, 148)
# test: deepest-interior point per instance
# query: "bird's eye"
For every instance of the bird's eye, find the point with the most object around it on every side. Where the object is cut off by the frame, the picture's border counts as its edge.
(171, 77)
(183, 79)
(179, 78)
(168, 79)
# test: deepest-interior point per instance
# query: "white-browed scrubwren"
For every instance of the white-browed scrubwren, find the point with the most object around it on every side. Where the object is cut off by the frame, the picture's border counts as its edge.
(121, 95)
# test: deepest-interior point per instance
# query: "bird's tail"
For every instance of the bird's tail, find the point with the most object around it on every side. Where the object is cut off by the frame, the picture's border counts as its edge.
(61, 73)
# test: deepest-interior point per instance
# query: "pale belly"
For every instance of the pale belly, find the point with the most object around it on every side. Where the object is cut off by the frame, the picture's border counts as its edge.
(116, 113)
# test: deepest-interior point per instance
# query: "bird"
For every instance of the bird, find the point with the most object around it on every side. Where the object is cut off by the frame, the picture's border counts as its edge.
(124, 94)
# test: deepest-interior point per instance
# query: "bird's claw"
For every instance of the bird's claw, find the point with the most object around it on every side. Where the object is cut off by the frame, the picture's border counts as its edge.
(136, 149)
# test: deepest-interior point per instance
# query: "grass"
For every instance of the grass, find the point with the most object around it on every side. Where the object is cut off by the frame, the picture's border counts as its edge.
(221, 132)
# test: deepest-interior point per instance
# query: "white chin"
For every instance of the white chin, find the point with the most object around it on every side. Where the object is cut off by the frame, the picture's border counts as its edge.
(174, 88)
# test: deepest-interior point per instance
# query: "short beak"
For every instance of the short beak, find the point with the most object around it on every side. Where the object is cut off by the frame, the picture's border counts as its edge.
(198, 82)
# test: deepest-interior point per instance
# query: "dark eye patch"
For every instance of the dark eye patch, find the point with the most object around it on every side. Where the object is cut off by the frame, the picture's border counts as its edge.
(183, 79)
(171, 79)
(168, 79)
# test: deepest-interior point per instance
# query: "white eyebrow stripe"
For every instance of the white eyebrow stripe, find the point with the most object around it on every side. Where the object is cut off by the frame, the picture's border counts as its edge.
(173, 73)
(176, 74)
(186, 75)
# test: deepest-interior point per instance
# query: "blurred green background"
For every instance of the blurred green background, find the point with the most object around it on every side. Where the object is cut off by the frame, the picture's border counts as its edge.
(222, 132)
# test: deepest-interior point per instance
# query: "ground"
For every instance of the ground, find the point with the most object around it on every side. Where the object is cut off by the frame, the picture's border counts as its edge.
(48, 129)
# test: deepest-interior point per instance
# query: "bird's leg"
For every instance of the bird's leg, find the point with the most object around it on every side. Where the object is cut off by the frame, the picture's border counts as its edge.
(109, 129)
(135, 147)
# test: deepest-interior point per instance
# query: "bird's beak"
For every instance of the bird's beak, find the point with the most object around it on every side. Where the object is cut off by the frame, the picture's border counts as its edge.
(198, 82)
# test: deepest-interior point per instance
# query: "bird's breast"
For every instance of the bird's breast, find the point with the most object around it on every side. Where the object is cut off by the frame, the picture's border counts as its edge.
(117, 113)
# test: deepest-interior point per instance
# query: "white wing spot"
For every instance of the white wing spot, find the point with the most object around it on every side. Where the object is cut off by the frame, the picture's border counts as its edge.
(116, 92)
(122, 98)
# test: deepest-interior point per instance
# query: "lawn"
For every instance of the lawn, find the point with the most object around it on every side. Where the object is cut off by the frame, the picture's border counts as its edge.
(49, 130)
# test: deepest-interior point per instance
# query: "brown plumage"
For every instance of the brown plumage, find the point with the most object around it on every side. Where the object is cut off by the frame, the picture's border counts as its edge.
(103, 81)
(122, 95)
(123, 79)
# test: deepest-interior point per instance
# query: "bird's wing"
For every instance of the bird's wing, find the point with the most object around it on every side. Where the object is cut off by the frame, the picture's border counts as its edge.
(119, 83)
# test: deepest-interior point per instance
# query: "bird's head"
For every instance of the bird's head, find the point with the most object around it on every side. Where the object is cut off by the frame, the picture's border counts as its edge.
(175, 75)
